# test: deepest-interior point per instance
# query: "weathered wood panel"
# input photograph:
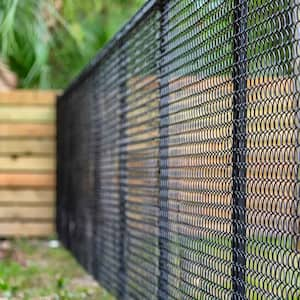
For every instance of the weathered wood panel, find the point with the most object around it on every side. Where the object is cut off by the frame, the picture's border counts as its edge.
(27, 97)
(30, 164)
(27, 213)
(26, 196)
(27, 163)
(25, 229)
(27, 180)
(28, 147)
(27, 130)
(17, 113)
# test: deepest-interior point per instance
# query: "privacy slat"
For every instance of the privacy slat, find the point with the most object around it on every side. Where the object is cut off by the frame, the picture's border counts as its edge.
(23, 213)
(26, 229)
(27, 97)
(16, 113)
(27, 147)
(27, 163)
(27, 130)
(26, 196)
(27, 180)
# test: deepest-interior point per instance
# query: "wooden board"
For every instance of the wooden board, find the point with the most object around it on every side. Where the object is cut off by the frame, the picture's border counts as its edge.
(26, 229)
(26, 196)
(28, 97)
(27, 163)
(16, 113)
(27, 130)
(26, 213)
(27, 147)
(23, 163)
(27, 180)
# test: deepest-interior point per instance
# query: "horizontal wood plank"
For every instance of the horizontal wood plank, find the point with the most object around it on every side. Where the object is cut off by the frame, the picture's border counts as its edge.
(34, 114)
(24, 163)
(27, 97)
(27, 180)
(27, 147)
(27, 213)
(27, 130)
(27, 163)
(26, 229)
(25, 196)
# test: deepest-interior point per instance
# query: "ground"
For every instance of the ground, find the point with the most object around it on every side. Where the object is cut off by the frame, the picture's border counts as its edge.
(35, 270)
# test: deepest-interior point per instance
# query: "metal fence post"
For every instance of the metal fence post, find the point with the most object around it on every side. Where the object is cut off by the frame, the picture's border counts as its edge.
(296, 69)
(239, 147)
(96, 134)
(163, 180)
(122, 172)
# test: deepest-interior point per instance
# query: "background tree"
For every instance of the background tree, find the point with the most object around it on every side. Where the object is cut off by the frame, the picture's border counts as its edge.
(47, 42)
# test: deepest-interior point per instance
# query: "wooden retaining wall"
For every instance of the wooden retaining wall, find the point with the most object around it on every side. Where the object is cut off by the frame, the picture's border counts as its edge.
(27, 163)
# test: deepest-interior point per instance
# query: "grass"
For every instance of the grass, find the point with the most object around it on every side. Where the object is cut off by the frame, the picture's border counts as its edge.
(34, 271)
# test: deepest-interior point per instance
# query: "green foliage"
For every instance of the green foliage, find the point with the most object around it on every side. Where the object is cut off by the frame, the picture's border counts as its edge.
(46, 43)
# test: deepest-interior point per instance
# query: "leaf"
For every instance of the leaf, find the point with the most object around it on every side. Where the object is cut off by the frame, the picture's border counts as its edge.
(4, 285)
(60, 283)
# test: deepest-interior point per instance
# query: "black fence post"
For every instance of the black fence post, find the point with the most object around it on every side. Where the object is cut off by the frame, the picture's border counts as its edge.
(59, 172)
(96, 150)
(296, 70)
(239, 147)
(122, 172)
(163, 179)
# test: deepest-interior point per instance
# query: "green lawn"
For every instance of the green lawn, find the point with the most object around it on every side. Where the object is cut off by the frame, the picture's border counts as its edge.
(33, 271)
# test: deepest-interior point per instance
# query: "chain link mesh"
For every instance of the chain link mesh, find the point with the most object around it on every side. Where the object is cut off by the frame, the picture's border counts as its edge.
(178, 154)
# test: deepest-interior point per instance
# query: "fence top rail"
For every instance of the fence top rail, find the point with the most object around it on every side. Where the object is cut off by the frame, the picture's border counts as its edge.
(94, 62)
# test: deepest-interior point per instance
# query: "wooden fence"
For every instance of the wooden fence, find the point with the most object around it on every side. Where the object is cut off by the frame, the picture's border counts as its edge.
(27, 163)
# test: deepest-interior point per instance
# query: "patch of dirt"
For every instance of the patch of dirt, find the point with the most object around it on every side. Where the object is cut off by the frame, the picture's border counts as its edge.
(7, 251)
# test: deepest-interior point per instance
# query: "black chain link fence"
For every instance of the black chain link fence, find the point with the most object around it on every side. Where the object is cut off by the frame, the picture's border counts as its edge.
(178, 154)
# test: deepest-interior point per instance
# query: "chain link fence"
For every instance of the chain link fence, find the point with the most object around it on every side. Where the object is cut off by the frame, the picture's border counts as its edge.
(178, 154)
